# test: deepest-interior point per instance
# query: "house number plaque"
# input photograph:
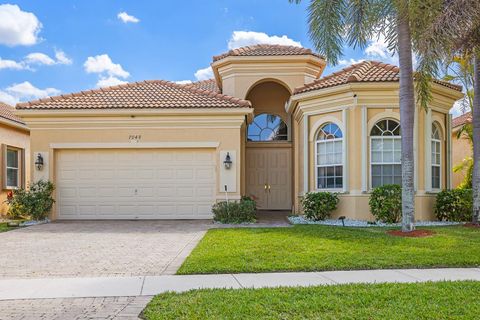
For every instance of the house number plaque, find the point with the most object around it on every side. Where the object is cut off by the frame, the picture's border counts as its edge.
(134, 138)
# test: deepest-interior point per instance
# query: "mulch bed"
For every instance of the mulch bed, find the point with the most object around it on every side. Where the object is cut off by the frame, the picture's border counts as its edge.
(471, 225)
(413, 234)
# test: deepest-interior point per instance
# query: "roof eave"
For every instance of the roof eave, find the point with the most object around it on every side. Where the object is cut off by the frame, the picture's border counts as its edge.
(14, 124)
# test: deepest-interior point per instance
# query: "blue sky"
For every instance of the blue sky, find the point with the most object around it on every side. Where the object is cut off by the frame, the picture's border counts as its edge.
(61, 46)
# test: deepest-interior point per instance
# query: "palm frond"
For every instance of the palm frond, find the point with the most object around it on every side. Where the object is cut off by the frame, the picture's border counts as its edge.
(326, 19)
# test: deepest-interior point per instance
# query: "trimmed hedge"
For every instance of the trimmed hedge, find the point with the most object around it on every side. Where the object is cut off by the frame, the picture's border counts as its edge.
(454, 205)
(319, 205)
(386, 203)
(235, 212)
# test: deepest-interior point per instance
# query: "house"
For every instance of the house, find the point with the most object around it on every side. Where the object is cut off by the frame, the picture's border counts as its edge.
(461, 147)
(15, 154)
(267, 126)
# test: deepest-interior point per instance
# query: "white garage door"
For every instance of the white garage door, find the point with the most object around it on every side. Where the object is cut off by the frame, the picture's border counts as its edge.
(135, 184)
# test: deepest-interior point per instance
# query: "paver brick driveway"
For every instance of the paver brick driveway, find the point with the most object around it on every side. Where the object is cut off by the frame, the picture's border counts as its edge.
(98, 248)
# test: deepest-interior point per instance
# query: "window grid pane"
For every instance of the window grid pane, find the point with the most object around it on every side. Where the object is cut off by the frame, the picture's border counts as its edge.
(330, 177)
(12, 166)
(267, 127)
(329, 157)
(386, 154)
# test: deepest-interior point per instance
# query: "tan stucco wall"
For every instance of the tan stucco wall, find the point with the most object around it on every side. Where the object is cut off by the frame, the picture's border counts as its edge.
(461, 148)
(346, 108)
(237, 75)
(226, 130)
(16, 138)
(269, 97)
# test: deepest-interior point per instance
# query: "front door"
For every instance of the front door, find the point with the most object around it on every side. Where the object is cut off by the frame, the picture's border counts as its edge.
(269, 177)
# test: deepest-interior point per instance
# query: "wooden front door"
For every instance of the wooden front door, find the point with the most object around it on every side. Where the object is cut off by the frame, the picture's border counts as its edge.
(269, 177)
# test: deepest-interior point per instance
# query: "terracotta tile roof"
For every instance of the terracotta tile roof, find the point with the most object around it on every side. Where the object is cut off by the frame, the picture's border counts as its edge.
(365, 71)
(6, 112)
(267, 50)
(208, 85)
(461, 120)
(154, 94)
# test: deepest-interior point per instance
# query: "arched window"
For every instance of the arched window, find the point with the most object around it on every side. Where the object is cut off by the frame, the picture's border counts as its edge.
(267, 127)
(436, 156)
(329, 157)
(386, 153)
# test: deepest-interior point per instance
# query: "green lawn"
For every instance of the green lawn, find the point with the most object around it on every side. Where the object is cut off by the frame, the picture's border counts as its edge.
(441, 300)
(4, 227)
(313, 248)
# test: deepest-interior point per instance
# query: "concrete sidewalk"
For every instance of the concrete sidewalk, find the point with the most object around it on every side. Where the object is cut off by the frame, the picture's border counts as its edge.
(46, 288)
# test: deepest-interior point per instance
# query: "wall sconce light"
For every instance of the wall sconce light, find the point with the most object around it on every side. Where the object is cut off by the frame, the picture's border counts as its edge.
(39, 162)
(228, 161)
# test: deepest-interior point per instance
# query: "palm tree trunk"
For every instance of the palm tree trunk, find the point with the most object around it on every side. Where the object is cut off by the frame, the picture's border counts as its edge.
(407, 111)
(476, 137)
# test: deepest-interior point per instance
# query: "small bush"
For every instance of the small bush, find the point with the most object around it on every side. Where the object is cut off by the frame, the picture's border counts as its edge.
(454, 205)
(319, 205)
(235, 212)
(34, 203)
(386, 203)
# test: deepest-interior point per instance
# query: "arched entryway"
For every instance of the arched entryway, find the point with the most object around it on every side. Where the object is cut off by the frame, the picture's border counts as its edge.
(269, 148)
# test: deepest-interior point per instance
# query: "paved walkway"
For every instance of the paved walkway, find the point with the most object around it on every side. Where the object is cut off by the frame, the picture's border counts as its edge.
(112, 308)
(14, 289)
(99, 248)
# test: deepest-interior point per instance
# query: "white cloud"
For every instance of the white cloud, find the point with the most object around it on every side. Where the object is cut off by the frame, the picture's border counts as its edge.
(204, 74)
(39, 58)
(11, 64)
(62, 58)
(25, 91)
(18, 27)
(347, 62)
(378, 47)
(247, 38)
(109, 81)
(8, 98)
(183, 82)
(102, 64)
(126, 18)
(460, 107)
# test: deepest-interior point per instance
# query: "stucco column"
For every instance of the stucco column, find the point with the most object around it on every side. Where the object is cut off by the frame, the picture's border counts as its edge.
(428, 150)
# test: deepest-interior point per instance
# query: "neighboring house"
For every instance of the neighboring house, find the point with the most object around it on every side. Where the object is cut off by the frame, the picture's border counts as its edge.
(461, 147)
(156, 149)
(15, 153)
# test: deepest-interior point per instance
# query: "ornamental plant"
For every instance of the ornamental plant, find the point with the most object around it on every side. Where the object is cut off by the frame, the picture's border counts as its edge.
(34, 203)
(235, 212)
(454, 205)
(319, 205)
(386, 203)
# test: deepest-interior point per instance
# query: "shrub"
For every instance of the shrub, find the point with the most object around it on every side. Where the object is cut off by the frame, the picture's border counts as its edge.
(319, 205)
(454, 205)
(235, 212)
(35, 203)
(386, 203)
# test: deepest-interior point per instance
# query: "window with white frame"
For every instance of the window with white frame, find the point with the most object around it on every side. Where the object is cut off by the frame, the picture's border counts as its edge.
(329, 157)
(436, 156)
(12, 170)
(386, 153)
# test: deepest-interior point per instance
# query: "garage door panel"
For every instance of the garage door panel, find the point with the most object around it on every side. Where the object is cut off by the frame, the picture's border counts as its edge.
(135, 184)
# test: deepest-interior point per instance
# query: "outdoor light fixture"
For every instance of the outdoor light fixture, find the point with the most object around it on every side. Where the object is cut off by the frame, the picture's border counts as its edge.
(342, 218)
(228, 161)
(39, 162)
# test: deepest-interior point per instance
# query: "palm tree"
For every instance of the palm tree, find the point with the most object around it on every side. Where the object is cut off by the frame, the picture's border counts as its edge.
(460, 70)
(454, 30)
(333, 23)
